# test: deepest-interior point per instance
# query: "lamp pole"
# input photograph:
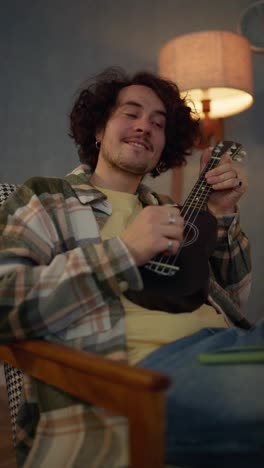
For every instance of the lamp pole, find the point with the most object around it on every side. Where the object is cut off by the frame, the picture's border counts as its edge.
(212, 130)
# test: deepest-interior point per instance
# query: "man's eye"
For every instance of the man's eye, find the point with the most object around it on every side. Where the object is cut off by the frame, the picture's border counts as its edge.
(129, 114)
(158, 124)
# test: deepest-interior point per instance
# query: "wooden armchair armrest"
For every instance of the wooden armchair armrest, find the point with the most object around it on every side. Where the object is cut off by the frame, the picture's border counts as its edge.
(135, 393)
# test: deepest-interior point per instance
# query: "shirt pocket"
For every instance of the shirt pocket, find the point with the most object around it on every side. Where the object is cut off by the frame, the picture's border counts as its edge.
(93, 323)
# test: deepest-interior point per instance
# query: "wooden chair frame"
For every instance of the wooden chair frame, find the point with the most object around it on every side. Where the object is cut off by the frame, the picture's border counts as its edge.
(136, 393)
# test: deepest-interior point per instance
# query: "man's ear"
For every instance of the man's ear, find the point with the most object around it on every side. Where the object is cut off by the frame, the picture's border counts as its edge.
(99, 134)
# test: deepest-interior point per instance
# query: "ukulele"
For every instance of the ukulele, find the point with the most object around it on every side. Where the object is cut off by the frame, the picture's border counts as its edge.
(180, 283)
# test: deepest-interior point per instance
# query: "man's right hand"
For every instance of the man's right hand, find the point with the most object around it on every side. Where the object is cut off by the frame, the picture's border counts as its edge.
(156, 229)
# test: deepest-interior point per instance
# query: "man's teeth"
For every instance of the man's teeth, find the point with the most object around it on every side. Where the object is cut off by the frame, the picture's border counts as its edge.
(137, 145)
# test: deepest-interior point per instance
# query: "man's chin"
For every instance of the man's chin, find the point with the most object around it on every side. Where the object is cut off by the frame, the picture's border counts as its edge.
(135, 169)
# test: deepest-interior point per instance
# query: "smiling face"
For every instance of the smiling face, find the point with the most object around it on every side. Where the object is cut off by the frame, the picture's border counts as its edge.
(134, 136)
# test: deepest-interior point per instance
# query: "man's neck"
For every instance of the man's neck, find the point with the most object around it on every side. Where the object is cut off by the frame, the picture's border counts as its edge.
(116, 180)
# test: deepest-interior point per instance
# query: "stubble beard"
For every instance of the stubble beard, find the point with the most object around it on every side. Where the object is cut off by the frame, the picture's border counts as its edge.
(120, 163)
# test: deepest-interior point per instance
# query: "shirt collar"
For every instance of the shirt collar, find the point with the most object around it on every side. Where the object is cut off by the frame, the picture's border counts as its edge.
(79, 180)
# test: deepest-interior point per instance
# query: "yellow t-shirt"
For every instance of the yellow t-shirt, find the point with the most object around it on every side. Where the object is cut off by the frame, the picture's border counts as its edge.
(148, 330)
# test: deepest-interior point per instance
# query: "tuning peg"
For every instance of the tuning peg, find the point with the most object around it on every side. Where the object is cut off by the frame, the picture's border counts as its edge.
(240, 156)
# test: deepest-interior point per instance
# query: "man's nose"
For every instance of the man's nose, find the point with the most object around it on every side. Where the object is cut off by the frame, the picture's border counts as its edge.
(143, 126)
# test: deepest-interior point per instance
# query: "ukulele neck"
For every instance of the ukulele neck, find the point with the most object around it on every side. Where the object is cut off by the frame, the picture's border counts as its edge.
(198, 197)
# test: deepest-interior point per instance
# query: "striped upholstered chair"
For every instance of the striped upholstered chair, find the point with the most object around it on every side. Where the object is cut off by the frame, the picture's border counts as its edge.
(13, 376)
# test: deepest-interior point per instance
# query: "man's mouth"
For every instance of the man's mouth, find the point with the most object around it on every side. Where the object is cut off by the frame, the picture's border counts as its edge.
(139, 144)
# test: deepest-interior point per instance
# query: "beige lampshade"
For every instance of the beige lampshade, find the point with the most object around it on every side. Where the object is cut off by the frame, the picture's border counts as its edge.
(213, 65)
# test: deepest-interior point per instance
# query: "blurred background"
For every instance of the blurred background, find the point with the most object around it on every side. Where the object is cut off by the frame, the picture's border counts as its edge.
(49, 48)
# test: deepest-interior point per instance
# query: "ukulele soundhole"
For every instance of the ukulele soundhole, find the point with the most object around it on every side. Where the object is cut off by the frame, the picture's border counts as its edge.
(191, 234)
(166, 266)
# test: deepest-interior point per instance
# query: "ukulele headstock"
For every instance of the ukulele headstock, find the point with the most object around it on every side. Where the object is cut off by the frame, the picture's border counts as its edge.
(232, 148)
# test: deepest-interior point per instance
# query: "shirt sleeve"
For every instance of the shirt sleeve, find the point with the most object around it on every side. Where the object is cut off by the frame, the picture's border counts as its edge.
(47, 282)
(231, 259)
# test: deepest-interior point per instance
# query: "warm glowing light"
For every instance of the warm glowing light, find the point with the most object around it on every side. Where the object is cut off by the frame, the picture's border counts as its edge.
(223, 101)
(211, 65)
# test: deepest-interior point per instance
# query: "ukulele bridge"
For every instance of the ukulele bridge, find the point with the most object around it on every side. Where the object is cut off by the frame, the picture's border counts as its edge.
(161, 268)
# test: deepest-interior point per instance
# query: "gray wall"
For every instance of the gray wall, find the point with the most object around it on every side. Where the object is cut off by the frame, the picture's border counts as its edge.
(48, 48)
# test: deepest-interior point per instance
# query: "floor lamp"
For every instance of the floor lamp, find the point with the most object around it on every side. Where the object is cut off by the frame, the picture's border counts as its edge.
(213, 70)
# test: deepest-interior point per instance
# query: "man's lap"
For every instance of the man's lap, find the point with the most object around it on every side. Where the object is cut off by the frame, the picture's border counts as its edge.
(216, 409)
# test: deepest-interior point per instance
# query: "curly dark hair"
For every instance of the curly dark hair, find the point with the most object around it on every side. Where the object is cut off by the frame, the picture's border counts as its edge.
(96, 102)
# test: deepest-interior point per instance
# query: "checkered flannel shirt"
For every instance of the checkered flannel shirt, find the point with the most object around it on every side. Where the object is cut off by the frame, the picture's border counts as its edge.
(60, 282)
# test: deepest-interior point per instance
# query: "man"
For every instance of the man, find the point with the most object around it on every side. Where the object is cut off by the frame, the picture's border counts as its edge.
(71, 247)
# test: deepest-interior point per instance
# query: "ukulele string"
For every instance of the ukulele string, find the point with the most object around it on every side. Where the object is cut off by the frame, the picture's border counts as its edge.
(192, 211)
(213, 162)
(195, 209)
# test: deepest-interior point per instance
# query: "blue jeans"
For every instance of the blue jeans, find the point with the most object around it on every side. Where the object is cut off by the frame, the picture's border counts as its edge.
(214, 413)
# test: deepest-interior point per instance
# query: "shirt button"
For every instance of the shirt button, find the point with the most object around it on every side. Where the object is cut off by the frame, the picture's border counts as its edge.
(123, 285)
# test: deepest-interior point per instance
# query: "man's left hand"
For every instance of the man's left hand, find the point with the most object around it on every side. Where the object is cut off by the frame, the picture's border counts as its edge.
(228, 183)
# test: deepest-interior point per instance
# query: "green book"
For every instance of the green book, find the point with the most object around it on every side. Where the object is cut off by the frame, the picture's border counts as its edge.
(240, 355)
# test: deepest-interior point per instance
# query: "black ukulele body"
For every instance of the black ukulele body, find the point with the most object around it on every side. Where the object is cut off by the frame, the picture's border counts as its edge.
(187, 288)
